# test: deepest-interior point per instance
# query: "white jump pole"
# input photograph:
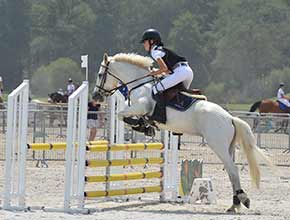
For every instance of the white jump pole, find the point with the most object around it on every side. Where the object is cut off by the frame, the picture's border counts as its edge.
(16, 139)
(76, 133)
(171, 179)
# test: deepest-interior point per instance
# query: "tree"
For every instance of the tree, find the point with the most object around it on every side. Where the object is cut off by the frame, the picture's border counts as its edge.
(14, 41)
(249, 35)
(49, 78)
(60, 29)
(186, 38)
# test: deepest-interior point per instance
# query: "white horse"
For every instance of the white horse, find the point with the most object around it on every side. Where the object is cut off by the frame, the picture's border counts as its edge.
(221, 130)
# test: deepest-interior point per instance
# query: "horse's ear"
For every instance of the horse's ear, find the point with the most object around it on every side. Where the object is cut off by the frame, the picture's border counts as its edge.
(106, 58)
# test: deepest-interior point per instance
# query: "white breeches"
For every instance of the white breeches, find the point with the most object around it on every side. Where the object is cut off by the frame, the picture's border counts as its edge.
(182, 74)
(285, 102)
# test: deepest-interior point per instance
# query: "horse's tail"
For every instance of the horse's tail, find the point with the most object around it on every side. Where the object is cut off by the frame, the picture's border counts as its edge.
(246, 139)
(255, 106)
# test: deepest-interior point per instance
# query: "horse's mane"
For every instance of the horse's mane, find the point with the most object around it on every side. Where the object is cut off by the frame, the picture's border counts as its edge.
(135, 59)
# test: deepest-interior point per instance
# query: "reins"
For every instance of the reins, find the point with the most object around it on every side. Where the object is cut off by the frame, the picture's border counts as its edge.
(123, 84)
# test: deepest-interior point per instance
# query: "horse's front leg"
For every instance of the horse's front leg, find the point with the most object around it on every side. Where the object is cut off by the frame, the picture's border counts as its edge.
(140, 108)
(138, 124)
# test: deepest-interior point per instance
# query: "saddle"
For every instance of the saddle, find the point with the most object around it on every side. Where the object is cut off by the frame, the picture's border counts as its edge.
(180, 98)
(173, 91)
(177, 97)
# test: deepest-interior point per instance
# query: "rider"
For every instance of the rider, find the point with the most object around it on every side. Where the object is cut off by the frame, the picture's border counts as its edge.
(282, 98)
(172, 65)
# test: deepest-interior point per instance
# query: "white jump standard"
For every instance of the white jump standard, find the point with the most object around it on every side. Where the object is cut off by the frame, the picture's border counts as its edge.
(76, 163)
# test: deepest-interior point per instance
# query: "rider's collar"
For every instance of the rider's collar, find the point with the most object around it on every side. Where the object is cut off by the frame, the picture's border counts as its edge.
(154, 47)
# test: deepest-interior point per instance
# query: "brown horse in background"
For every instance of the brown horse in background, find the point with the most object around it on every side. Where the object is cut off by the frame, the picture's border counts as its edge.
(270, 106)
(267, 106)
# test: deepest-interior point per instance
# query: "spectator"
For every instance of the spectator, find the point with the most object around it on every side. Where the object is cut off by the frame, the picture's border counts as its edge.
(70, 87)
(93, 122)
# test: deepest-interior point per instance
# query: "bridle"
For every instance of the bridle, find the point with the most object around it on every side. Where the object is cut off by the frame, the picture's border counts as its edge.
(110, 92)
(105, 74)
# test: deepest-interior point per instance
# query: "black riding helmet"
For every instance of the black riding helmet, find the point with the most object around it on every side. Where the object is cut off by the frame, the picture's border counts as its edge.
(151, 34)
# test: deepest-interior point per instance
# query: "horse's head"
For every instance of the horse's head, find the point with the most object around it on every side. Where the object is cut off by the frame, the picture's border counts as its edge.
(106, 79)
(52, 97)
(124, 69)
(49, 98)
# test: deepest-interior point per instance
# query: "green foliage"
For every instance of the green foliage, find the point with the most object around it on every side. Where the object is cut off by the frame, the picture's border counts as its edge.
(50, 78)
(240, 49)
(249, 36)
(272, 81)
(186, 34)
(14, 41)
(60, 29)
(238, 107)
(215, 91)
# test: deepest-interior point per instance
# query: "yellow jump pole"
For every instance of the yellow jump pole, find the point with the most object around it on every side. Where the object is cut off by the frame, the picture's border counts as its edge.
(126, 176)
(120, 192)
(125, 147)
(60, 145)
(126, 162)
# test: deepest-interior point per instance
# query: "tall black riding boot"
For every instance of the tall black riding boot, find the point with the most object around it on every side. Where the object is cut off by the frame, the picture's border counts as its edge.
(159, 113)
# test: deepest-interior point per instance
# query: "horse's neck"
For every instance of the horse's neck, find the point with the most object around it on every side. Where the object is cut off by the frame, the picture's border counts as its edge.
(128, 72)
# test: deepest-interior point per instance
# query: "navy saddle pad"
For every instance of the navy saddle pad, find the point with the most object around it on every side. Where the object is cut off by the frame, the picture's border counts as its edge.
(180, 102)
(282, 106)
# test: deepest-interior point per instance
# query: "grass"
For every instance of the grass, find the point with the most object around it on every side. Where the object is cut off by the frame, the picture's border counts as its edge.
(238, 107)
(43, 99)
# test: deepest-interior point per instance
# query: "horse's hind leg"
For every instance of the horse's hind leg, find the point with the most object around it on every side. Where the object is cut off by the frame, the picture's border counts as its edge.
(223, 153)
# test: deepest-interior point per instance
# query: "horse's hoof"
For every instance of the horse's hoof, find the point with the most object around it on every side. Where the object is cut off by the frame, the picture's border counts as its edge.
(244, 199)
(234, 209)
(246, 203)
(231, 209)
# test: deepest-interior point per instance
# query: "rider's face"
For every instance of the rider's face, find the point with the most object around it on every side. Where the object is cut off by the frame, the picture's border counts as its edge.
(146, 45)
